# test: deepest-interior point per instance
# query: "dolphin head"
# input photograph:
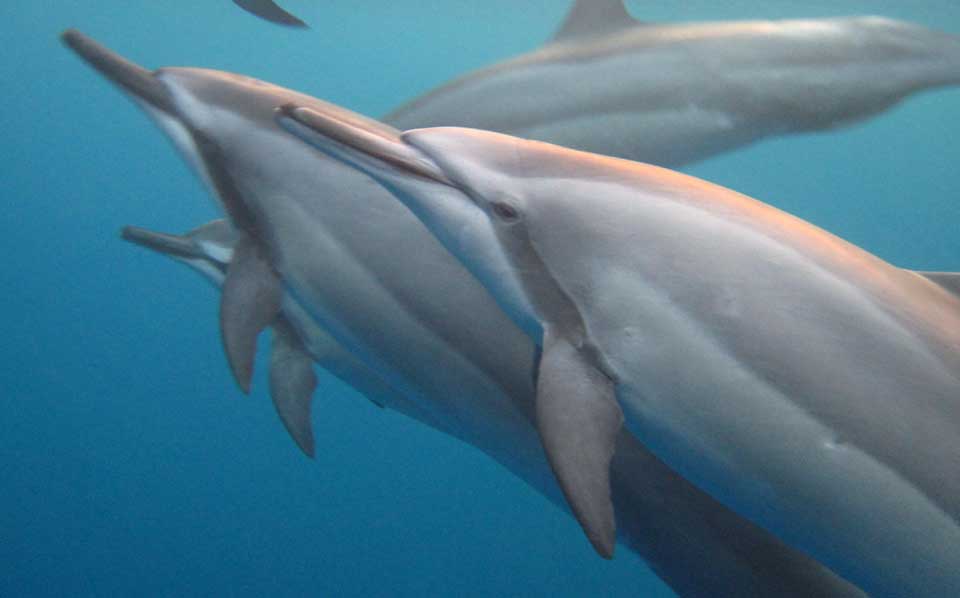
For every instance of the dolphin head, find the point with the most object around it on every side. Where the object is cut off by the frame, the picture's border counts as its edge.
(486, 196)
(217, 120)
(207, 249)
(455, 215)
(518, 185)
(165, 96)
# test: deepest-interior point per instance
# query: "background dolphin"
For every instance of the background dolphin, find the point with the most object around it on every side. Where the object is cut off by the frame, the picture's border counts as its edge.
(673, 94)
(808, 384)
(377, 281)
(297, 341)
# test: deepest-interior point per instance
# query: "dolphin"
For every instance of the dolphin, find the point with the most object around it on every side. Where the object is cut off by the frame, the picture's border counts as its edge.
(373, 277)
(270, 11)
(673, 94)
(807, 384)
(297, 341)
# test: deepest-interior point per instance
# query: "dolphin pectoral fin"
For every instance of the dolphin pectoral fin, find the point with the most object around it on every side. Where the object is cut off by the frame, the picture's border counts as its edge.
(268, 10)
(948, 280)
(292, 382)
(579, 419)
(588, 18)
(249, 302)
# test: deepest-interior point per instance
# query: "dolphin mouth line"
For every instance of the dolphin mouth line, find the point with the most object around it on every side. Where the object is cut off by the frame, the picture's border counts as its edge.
(162, 243)
(131, 77)
(337, 136)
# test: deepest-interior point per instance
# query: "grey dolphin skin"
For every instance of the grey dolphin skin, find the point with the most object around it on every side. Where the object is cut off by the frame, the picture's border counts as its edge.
(367, 271)
(673, 94)
(804, 382)
(268, 10)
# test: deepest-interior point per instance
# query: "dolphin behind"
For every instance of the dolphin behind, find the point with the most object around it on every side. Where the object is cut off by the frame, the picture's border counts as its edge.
(673, 94)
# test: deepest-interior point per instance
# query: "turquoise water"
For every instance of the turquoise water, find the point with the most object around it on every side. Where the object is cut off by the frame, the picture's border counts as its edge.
(129, 462)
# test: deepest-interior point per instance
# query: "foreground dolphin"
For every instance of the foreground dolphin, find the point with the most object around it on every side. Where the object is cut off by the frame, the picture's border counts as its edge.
(374, 278)
(802, 381)
(268, 10)
(677, 93)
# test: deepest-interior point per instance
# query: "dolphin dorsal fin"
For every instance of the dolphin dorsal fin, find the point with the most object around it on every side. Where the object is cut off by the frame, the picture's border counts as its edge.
(589, 18)
(269, 11)
(948, 280)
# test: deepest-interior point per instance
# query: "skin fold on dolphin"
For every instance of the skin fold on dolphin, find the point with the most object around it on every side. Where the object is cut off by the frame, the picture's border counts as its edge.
(270, 11)
(674, 94)
(369, 275)
(804, 382)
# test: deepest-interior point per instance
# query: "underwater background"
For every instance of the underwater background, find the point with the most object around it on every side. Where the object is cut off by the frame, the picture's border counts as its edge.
(129, 462)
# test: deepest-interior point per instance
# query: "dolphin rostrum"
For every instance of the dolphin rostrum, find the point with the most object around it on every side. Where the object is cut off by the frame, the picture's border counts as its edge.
(804, 382)
(270, 11)
(673, 94)
(371, 276)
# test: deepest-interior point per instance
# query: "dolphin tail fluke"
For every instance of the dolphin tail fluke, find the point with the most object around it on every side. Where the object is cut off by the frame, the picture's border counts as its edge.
(269, 11)
(249, 302)
(292, 382)
(579, 419)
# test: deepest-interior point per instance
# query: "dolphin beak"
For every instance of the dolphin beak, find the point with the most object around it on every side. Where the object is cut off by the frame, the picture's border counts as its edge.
(163, 243)
(133, 78)
(348, 140)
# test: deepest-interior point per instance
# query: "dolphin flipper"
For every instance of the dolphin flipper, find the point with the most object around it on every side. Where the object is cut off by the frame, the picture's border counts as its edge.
(579, 419)
(588, 18)
(292, 382)
(268, 10)
(250, 301)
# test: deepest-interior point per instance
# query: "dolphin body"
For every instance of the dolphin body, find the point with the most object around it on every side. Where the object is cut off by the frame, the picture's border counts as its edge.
(677, 93)
(372, 277)
(804, 382)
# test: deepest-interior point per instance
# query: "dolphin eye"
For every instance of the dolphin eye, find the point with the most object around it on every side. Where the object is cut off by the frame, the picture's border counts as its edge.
(504, 211)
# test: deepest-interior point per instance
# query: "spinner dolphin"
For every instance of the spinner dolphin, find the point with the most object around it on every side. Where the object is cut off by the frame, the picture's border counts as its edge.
(373, 278)
(297, 341)
(804, 382)
(672, 94)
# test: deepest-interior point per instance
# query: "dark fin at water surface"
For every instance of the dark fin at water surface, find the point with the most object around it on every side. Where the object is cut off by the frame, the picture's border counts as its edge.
(269, 11)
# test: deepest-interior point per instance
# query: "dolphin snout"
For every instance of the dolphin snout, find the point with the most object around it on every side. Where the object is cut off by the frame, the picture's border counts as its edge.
(130, 76)
(342, 138)
(163, 243)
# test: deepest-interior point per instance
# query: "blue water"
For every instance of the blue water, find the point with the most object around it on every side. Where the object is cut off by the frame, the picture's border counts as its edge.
(130, 464)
